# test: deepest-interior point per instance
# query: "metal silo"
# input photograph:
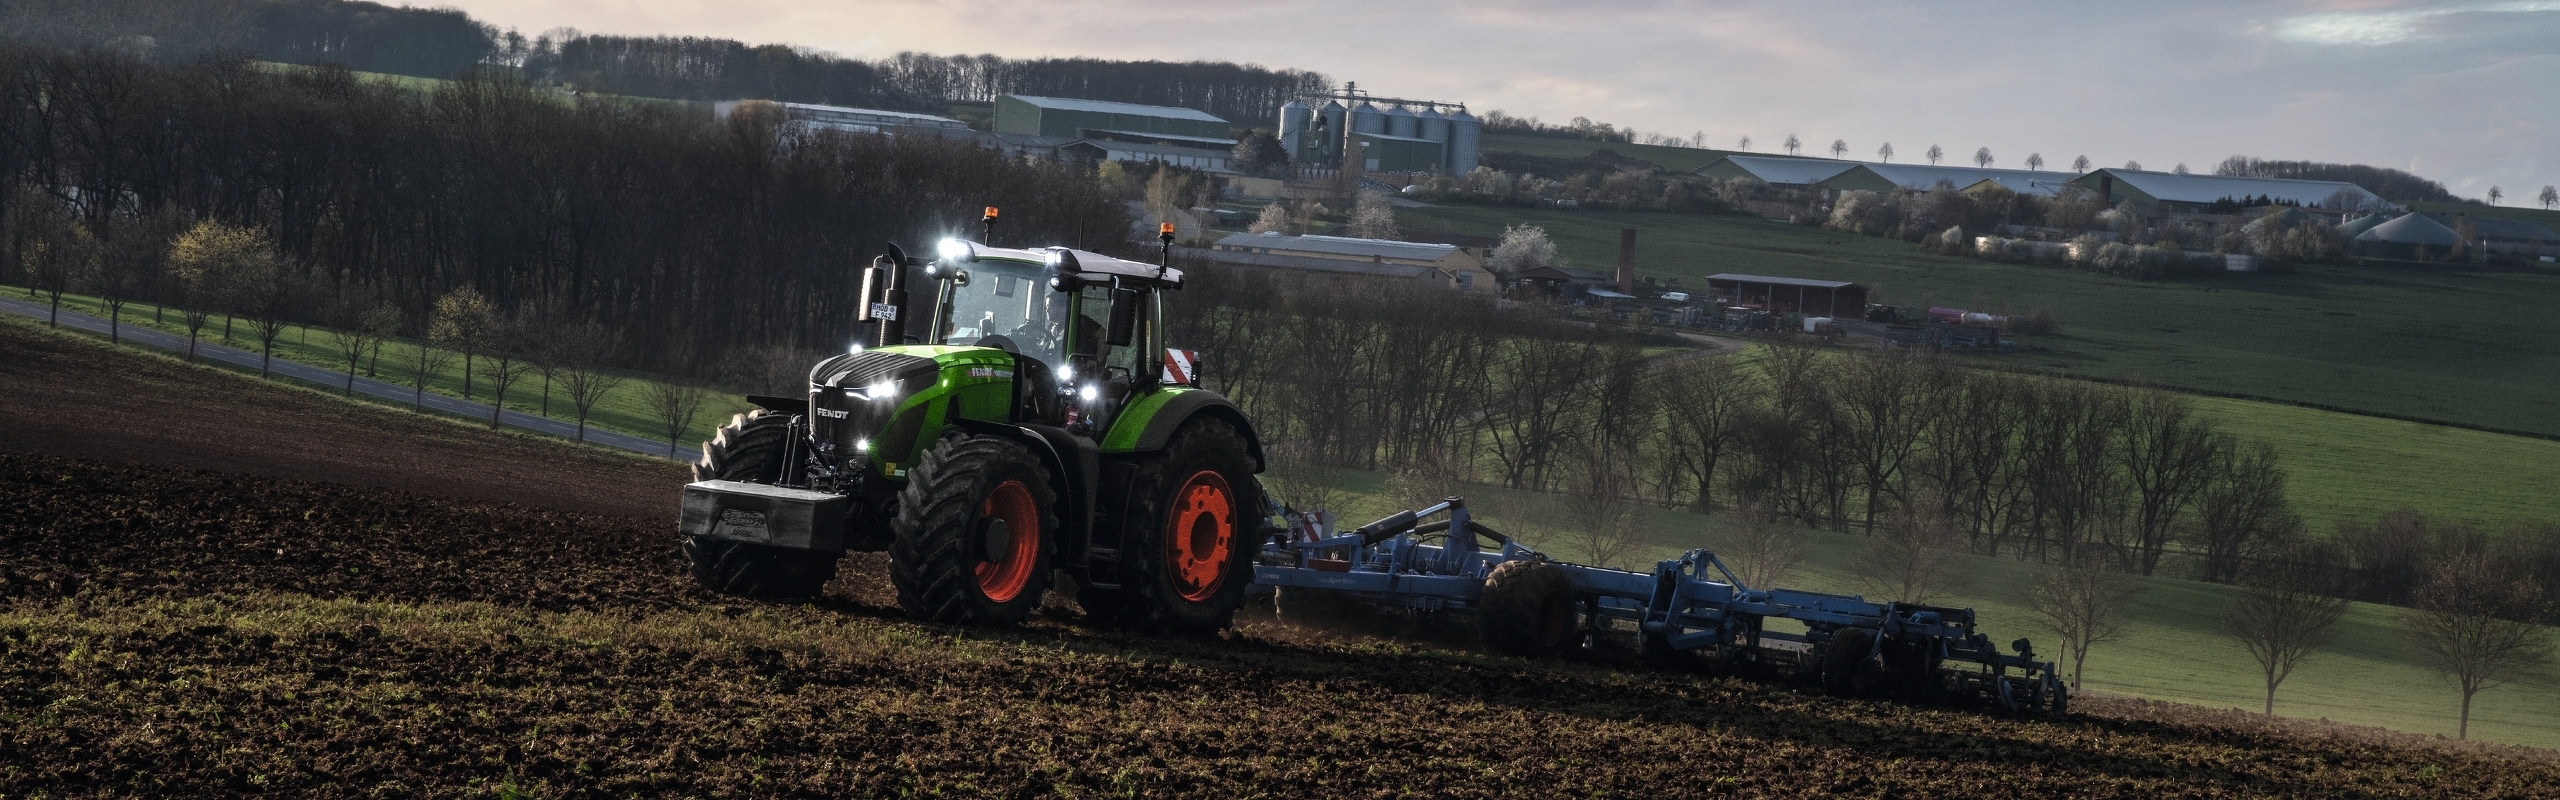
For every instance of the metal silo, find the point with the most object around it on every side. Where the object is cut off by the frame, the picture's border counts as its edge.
(1293, 127)
(1330, 145)
(1431, 125)
(1367, 118)
(1400, 122)
(1465, 135)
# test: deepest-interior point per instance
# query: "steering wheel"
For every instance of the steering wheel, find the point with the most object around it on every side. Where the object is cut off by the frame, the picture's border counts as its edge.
(1000, 342)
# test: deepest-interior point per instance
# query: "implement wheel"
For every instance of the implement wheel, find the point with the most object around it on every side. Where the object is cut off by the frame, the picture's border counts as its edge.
(1527, 610)
(974, 533)
(749, 449)
(1845, 668)
(1187, 538)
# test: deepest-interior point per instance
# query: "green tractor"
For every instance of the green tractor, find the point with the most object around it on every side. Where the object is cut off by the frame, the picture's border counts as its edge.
(1036, 433)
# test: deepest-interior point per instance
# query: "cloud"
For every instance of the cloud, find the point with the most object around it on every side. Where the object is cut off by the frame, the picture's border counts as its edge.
(2388, 27)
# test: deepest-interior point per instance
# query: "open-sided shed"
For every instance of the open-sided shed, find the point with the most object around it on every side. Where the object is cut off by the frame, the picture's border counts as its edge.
(1799, 295)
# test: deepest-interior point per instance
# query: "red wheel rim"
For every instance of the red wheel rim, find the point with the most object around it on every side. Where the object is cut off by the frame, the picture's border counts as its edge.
(1199, 533)
(1002, 580)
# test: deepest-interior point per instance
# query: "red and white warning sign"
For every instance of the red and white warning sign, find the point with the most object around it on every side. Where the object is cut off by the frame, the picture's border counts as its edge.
(1181, 367)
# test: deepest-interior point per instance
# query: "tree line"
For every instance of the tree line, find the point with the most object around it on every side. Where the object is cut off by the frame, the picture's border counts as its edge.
(1848, 440)
(366, 36)
(690, 237)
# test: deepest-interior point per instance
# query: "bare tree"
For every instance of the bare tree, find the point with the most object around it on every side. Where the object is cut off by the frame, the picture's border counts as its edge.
(1935, 153)
(2284, 612)
(2169, 453)
(2133, 165)
(1744, 145)
(2550, 196)
(354, 329)
(1300, 478)
(2478, 623)
(2035, 161)
(1839, 147)
(426, 360)
(1982, 158)
(268, 298)
(1605, 526)
(512, 340)
(2080, 164)
(122, 268)
(676, 404)
(463, 323)
(583, 351)
(2082, 600)
(58, 252)
(1885, 153)
(1706, 400)
(1761, 550)
(2180, 169)
(1792, 144)
(1916, 558)
(2241, 509)
(2495, 194)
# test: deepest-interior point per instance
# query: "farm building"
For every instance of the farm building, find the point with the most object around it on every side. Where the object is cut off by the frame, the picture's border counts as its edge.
(1562, 281)
(2512, 236)
(1796, 295)
(1386, 153)
(1777, 170)
(840, 118)
(1923, 177)
(2192, 194)
(1099, 150)
(2406, 236)
(1087, 119)
(1460, 270)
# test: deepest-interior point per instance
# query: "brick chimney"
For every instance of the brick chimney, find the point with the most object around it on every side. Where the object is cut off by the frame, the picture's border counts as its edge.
(1627, 261)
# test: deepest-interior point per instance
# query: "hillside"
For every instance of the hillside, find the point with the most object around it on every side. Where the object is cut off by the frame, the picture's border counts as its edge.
(2460, 347)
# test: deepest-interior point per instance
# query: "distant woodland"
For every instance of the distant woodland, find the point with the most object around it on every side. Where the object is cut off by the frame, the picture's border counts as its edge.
(443, 43)
(687, 236)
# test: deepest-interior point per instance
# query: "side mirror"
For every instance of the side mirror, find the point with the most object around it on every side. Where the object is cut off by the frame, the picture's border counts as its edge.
(1124, 316)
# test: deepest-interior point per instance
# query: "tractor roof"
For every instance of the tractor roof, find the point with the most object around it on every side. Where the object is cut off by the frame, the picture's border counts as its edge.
(1086, 260)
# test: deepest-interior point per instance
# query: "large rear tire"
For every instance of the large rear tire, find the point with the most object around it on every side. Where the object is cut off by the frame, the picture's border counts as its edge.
(1188, 537)
(750, 449)
(1527, 610)
(975, 530)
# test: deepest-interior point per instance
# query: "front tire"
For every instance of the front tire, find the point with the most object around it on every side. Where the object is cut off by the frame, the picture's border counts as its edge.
(1188, 539)
(750, 449)
(974, 532)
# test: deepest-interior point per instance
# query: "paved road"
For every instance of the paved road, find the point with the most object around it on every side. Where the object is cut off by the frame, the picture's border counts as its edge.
(335, 379)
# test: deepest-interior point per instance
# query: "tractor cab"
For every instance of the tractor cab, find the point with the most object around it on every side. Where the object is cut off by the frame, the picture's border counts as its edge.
(1091, 321)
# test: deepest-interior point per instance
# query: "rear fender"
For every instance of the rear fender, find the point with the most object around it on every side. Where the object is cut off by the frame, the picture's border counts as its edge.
(1148, 424)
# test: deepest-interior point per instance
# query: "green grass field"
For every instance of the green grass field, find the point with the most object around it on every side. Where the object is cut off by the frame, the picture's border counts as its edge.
(1676, 158)
(2342, 465)
(625, 409)
(2462, 347)
(2173, 646)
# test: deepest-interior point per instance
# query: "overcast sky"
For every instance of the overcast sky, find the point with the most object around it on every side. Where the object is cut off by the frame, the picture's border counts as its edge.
(2467, 93)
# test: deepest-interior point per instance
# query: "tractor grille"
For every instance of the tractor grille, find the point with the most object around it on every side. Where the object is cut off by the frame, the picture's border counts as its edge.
(844, 415)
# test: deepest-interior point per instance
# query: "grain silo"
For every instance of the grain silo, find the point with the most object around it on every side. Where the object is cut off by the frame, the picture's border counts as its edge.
(1366, 118)
(1294, 119)
(1400, 122)
(1466, 134)
(1328, 146)
(1430, 124)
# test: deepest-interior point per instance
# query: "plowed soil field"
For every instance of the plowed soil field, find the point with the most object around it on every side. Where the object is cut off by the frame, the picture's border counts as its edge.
(175, 631)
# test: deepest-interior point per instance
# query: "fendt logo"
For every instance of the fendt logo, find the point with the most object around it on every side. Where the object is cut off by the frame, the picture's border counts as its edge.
(833, 414)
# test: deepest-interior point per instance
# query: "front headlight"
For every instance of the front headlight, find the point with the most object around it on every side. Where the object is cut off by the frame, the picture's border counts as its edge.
(954, 250)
